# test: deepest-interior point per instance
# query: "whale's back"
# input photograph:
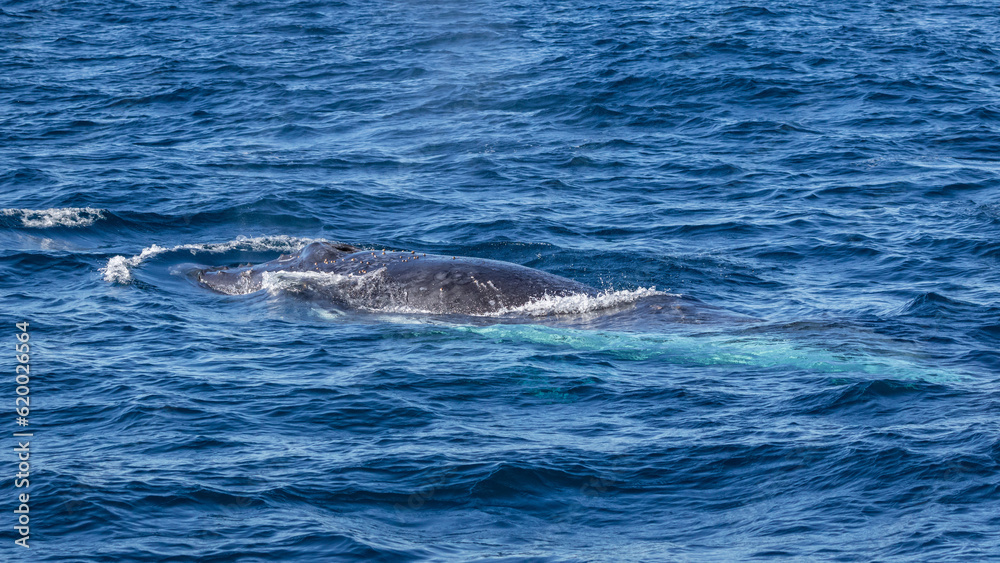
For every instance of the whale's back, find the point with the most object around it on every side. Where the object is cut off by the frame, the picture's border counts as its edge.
(442, 284)
(399, 281)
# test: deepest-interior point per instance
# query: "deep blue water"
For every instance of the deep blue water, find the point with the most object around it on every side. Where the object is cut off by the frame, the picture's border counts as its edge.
(828, 170)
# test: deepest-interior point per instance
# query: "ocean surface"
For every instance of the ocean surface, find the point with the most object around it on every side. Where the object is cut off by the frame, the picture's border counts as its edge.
(821, 179)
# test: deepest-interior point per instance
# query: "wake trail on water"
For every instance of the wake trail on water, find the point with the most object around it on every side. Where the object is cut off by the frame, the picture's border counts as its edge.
(119, 268)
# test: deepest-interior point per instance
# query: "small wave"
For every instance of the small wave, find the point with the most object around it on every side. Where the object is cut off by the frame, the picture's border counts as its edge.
(56, 216)
(119, 268)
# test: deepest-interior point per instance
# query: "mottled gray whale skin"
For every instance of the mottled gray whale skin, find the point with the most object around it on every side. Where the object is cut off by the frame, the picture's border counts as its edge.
(402, 280)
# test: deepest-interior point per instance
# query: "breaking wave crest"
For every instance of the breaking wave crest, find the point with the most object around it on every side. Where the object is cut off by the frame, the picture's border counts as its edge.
(119, 268)
(56, 216)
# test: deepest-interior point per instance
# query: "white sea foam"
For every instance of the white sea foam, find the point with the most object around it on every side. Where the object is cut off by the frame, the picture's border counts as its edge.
(367, 292)
(56, 217)
(119, 268)
(281, 281)
(579, 303)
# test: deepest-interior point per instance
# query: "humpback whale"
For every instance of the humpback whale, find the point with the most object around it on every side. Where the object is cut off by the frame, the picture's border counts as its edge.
(402, 281)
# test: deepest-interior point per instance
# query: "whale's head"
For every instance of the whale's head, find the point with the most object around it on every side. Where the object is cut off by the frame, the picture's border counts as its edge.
(234, 280)
(239, 280)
